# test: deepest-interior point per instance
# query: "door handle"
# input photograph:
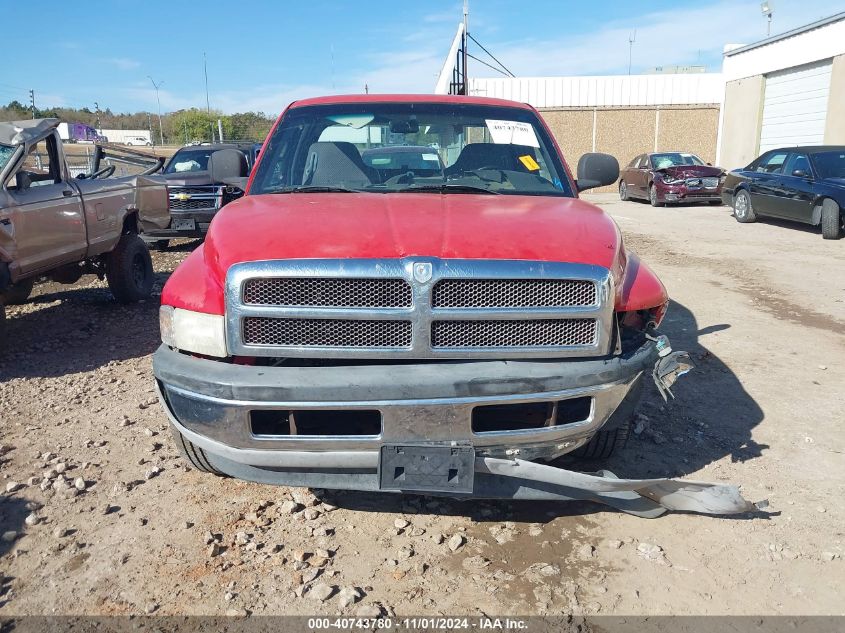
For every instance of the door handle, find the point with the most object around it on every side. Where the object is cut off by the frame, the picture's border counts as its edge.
(67, 193)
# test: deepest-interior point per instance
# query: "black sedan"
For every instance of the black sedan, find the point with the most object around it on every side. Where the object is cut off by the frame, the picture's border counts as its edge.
(805, 184)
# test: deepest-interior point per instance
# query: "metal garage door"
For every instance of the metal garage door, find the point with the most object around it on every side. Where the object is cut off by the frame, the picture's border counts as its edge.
(795, 106)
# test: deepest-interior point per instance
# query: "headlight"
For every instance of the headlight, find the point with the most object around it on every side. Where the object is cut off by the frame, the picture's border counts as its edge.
(193, 331)
(671, 180)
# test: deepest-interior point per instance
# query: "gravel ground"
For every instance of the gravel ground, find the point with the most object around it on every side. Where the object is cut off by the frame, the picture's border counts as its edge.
(100, 515)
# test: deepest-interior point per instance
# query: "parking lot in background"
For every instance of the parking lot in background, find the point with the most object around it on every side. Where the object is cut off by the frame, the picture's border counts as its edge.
(760, 308)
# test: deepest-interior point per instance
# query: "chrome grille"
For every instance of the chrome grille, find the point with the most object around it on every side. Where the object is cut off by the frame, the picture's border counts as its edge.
(326, 332)
(418, 308)
(513, 293)
(512, 333)
(710, 183)
(328, 292)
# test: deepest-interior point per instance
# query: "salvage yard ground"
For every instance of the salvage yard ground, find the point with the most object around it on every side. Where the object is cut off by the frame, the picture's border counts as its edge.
(761, 308)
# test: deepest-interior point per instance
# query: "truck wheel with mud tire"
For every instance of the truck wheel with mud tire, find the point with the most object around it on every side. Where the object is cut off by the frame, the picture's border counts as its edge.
(19, 292)
(129, 269)
(194, 454)
(831, 220)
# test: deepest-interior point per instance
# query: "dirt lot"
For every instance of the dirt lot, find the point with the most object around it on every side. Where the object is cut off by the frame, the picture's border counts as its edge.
(760, 307)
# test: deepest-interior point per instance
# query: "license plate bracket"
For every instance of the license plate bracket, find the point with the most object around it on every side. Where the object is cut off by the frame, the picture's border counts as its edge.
(427, 467)
(184, 225)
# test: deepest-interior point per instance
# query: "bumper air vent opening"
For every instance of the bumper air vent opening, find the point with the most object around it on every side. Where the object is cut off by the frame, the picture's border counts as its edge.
(530, 415)
(280, 423)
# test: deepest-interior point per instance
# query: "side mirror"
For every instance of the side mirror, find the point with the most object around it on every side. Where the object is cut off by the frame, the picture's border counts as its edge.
(596, 170)
(800, 173)
(229, 166)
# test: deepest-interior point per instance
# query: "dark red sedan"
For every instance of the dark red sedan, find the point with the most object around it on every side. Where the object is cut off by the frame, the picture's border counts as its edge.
(671, 177)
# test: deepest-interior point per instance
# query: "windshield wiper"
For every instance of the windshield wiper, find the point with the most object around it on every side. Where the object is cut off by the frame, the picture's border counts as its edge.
(446, 188)
(313, 189)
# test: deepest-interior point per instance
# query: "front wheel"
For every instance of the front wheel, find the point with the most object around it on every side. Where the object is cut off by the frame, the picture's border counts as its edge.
(831, 220)
(743, 211)
(129, 270)
(623, 191)
(194, 454)
(19, 292)
(652, 196)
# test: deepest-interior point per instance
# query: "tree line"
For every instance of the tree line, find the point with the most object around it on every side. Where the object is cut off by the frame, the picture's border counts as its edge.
(179, 127)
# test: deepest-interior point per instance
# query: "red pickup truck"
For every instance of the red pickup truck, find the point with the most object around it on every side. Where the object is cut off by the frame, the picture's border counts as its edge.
(372, 325)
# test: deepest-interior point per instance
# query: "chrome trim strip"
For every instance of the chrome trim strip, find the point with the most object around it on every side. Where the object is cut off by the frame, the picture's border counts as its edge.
(421, 314)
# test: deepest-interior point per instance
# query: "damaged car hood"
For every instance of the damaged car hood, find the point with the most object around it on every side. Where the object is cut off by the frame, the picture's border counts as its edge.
(692, 171)
(26, 132)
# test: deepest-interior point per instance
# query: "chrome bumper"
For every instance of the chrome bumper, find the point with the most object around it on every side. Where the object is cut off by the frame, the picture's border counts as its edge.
(210, 403)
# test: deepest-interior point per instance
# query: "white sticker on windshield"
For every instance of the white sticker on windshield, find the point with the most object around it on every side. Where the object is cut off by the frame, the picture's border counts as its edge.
(512, 133)
(429, 157)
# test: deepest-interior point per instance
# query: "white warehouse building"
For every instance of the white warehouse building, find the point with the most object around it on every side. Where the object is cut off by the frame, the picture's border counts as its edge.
(783, 91)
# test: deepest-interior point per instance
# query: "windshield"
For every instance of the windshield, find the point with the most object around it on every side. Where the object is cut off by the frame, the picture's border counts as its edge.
(401, 147)
(830, 164)
(674, 159)
(6, 152)
(188, 160)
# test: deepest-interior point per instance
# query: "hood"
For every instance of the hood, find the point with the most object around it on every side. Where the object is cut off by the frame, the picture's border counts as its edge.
(692, 171)
(189, 179)
(373, 225)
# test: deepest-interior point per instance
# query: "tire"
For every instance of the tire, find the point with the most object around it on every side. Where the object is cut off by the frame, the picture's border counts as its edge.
(129, 270)
(194, 454)
(604, 443)
(19, 292)
(743, 211)
(623, 191)
(652, 196)
(2, 326)
(831, 220)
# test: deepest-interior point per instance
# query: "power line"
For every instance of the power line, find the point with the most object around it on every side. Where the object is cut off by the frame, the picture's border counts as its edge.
(481, 61)
(493, 57)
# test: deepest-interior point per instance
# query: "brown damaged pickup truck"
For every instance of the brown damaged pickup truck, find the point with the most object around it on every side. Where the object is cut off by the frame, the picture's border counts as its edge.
(52, 225)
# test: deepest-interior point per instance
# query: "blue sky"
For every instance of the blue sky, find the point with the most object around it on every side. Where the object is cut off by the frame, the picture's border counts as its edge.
(262, 54)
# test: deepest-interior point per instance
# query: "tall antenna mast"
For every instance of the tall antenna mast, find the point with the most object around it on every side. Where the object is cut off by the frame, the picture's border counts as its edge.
(631, 39)
(464, 47)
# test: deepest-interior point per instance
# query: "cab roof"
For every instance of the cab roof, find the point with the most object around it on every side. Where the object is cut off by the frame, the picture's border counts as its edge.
(410, 98)
(26, 131)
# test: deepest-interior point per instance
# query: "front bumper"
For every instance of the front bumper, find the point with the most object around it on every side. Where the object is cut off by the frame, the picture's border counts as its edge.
(211, 403)
(208, 402)
(199, 218)
(685, 193)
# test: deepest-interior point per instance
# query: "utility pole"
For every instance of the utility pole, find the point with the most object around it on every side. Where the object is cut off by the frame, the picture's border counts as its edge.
(32, 102)
(631, 39)
(207, 102)
(160, 127)
(97, 111)
(766, 9)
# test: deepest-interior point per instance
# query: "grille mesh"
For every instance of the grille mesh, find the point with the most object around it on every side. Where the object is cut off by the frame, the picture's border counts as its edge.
(328, 292)
(326, 332)
(194, 203)
(523, 333)
(513, 293)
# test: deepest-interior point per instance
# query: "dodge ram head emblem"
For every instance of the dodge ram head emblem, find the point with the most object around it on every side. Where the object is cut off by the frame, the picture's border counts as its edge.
(422, 272)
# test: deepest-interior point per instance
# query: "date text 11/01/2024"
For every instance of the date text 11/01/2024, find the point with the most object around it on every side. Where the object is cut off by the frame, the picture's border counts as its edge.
(417, 624)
